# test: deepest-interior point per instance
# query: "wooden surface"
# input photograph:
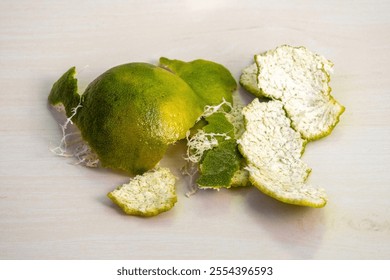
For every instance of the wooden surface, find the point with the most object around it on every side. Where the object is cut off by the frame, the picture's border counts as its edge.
(53, 209)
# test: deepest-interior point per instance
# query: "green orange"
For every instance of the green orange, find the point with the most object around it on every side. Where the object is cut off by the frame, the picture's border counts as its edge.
(131, 113)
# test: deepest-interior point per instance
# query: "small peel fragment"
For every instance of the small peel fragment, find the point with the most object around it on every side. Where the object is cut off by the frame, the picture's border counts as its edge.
(300, 79)
(212, 151)
(219, 166)
(219, 163)
(273, 152)
(148, 194)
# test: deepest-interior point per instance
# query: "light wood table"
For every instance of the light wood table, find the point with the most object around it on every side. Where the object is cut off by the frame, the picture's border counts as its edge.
(53, 209)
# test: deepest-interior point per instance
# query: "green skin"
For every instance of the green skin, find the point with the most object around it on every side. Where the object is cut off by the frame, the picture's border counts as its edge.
(130, 114)
(219, 165)
(64, 91)
(210, 80)
(218, 123)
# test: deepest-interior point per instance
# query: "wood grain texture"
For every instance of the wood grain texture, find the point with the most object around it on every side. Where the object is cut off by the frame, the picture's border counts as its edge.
(53, 209)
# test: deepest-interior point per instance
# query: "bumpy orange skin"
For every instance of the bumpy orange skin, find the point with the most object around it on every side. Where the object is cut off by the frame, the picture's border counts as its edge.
(130, 113)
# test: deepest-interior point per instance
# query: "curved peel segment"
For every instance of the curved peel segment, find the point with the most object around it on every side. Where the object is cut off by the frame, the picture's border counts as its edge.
(273, 151)
(300, 80)
(210, 80)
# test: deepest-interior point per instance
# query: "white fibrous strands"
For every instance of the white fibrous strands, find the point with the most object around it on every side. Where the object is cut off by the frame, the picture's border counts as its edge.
(209, 110)
(190, 170)
(200, 143)
(236, 118)
(72, 144)
(196, 147)
(85, 155)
